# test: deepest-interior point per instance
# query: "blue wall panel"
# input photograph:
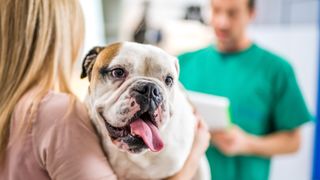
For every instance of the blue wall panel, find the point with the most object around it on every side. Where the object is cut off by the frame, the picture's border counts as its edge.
(316, 159)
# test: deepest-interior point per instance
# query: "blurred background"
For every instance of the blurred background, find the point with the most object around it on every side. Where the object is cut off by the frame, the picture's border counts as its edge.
(287, 27)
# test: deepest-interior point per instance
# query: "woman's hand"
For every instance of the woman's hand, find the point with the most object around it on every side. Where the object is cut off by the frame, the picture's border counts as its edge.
(200, 144)
(202, 138)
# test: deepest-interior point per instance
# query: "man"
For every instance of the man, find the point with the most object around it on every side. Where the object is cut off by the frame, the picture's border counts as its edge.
(267, 107)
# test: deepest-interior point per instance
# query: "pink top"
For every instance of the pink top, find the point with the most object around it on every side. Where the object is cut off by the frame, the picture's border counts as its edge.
(59, 145)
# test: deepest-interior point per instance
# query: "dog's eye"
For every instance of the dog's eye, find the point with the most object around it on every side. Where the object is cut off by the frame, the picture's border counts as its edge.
(118, 73)
(169, 80)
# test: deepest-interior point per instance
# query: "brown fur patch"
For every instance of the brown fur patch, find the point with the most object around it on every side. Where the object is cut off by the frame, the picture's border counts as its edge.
(104, 58)
(107, 54)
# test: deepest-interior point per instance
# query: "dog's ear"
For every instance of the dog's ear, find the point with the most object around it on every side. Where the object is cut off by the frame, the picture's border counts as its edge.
(89, 61)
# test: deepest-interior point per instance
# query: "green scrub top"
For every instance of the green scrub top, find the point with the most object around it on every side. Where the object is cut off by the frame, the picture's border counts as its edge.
(264, 98)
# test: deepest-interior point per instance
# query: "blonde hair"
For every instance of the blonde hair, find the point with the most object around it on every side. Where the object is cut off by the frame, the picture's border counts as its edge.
(40, 41)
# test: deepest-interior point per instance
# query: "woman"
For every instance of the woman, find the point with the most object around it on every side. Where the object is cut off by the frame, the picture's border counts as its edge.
(45, 132)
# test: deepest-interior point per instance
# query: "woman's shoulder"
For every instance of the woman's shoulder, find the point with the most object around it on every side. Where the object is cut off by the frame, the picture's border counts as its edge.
(58, 113)
(59, 106)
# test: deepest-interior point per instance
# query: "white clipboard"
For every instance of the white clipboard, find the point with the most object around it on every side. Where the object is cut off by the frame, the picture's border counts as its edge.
(213, 109)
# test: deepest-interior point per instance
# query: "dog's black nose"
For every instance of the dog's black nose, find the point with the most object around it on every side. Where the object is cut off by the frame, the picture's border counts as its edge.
(150, 90)
(148, 96)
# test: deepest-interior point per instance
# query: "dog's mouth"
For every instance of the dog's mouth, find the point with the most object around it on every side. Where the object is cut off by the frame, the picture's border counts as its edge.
(142, 130)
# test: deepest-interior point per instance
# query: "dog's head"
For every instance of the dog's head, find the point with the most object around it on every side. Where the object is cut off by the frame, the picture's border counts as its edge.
(131, 86)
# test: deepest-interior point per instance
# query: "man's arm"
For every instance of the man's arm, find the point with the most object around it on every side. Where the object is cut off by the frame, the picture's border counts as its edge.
(235, 141)
(276, 143)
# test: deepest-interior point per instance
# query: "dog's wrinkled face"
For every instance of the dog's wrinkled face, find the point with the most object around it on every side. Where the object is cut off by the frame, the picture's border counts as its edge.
(130, 90)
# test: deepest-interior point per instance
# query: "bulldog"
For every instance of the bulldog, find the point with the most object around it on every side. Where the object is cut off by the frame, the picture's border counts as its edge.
(145, 121)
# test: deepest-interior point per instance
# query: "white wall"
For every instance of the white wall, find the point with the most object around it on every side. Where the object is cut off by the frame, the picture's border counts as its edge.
(94, 36)
(287, 11)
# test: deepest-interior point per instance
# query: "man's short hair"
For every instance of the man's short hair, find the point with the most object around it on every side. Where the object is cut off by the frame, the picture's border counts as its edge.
(251, 4)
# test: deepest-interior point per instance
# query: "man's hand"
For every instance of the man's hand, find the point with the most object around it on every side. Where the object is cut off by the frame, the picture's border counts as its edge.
(233, 141)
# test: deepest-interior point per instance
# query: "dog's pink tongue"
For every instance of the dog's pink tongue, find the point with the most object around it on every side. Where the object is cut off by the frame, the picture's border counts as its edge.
(149, 133)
